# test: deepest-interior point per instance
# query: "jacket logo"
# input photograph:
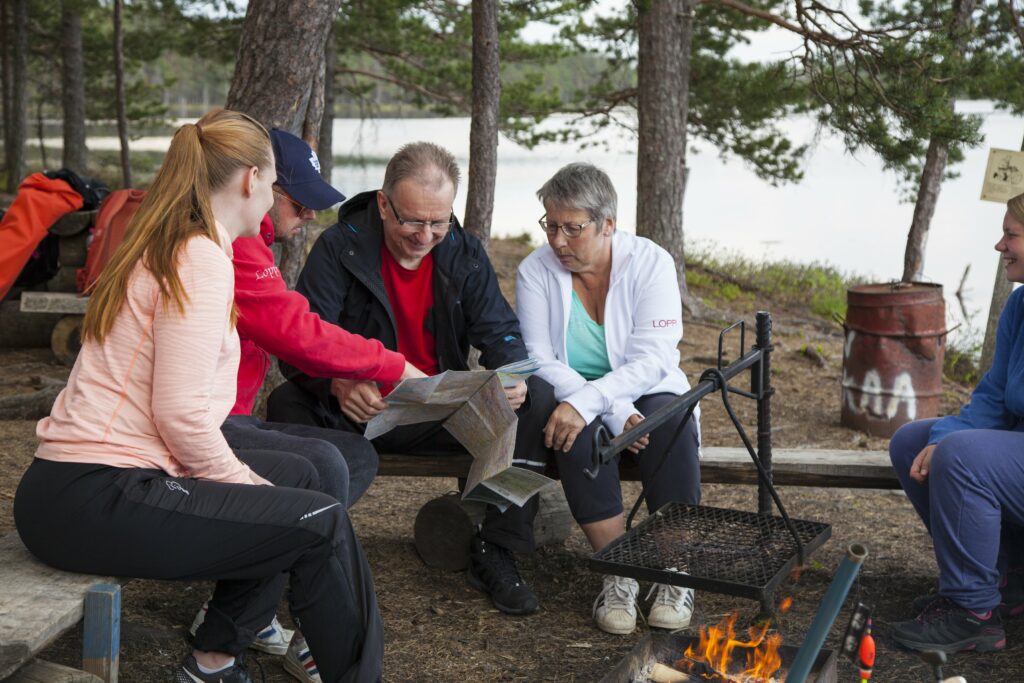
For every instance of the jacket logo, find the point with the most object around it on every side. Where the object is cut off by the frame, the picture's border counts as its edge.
(272, 271)
(664, 323)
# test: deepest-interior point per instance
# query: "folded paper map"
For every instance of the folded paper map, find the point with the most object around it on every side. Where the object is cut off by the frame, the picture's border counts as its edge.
(477, 413)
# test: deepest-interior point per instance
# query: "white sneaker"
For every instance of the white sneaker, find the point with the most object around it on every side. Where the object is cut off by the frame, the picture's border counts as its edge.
(672, 606)
(274, 639)
(615, 607)
(298, 661)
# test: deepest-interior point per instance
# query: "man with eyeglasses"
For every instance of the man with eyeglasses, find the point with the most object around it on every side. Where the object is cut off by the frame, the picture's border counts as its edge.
(398, 267)
(275, 320)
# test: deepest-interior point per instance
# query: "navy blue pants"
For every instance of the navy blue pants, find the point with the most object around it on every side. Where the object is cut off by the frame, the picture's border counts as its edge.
(972, 504)
(346, 463)
(512, 529)
(678, 480)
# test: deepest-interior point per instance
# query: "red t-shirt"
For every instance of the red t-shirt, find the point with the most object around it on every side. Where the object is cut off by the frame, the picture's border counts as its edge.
(411, 293)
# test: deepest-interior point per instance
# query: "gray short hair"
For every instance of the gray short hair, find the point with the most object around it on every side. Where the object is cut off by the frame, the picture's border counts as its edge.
(428, 163)
(581, 186)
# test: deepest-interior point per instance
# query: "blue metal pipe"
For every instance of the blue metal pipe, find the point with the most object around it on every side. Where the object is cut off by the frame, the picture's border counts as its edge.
(833, 601)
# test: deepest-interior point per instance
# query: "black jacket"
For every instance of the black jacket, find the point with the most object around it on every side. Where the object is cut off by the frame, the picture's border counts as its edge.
(343, 283)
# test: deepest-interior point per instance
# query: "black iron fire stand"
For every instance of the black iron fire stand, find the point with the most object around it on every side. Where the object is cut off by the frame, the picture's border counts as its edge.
(714, 549)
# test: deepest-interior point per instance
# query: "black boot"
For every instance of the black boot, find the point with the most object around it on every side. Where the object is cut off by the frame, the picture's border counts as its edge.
(493, 570)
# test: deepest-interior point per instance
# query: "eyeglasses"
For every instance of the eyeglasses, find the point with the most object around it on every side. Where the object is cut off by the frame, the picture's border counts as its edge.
(438, 228)
(298, 207)
(570, 230)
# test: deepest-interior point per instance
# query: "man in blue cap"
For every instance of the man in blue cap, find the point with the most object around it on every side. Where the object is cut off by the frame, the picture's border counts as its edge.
(275, 320)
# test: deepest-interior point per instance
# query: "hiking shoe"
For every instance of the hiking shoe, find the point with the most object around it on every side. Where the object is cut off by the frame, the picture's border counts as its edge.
(672, 606)
(946, 626)
(1011, 588)
(189, 672)
(615, 606)
(493, 570)
(298, 662)
(273, 639)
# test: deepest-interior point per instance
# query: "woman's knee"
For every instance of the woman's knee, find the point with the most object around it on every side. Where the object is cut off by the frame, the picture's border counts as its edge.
(907, 442)
(953, 456)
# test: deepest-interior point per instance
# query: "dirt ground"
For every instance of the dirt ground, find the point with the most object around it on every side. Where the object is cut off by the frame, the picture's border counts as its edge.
(439, 629)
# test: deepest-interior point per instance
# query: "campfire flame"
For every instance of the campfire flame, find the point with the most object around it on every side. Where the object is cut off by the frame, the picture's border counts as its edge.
(713, 655)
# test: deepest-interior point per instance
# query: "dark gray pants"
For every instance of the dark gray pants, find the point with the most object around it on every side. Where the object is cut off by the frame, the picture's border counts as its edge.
(143, 523)
(346, 463)
(512, 529)
(678, 480)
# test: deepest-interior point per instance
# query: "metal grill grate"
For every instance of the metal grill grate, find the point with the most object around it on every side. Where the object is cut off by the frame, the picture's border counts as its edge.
(724, 551)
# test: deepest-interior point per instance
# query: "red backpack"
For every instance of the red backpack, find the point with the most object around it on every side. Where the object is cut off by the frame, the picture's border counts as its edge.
(111, 221)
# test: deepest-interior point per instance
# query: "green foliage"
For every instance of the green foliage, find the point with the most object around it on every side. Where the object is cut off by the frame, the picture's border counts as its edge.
(421, 54)
(727, 276)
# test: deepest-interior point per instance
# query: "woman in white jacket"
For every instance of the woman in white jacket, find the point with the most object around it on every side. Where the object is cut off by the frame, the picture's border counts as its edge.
(601, 311)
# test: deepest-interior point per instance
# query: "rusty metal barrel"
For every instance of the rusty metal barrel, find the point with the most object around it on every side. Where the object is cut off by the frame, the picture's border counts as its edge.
(893, 355)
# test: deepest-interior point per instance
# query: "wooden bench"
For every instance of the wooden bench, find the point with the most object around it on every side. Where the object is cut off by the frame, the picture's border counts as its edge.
(444, 525)
(38, 603)
(790, 467)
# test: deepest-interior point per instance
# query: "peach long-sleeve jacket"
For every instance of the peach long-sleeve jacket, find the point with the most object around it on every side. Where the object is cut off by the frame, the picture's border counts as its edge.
(155, 392)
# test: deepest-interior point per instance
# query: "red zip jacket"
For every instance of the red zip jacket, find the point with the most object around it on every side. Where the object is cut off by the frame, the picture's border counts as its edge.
(275, 320)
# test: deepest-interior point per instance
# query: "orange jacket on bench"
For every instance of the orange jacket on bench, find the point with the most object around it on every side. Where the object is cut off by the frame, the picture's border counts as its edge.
(37, 206)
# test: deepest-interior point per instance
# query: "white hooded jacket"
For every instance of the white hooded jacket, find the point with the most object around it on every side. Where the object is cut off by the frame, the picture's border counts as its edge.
(643, 325)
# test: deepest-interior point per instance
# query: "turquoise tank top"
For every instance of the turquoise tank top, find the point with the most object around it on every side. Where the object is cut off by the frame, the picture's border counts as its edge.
(584, 343)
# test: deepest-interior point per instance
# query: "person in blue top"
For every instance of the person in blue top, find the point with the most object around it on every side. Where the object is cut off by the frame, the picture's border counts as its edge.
(964, 475)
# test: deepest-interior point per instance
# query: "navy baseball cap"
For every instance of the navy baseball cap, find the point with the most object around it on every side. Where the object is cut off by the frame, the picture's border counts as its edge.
(298, 172)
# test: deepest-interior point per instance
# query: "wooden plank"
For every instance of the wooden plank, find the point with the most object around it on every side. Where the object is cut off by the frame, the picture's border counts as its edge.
(791, 467)
(37, 603)
(40, 671)
(101, 638)
(53, 302)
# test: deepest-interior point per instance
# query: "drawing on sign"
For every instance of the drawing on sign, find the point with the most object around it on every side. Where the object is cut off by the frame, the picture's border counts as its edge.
(1004, 175)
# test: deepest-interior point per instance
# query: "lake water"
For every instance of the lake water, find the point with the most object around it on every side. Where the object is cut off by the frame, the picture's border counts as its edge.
(846, 212)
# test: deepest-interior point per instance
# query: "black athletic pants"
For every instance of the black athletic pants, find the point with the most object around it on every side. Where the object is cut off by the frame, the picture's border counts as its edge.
(512, 529)
(143, 523)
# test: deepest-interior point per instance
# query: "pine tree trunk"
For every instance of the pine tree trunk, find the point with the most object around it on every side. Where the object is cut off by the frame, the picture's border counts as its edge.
(122, 115)
(6, 74)
(75, 154)
(14, 136)
(279, 79)
(665, 37)
(325, 145)
(280, 58)
(927, 196)
(935, 163)
(483, 131)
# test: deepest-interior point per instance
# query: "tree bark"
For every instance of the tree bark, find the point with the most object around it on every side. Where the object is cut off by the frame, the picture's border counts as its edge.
(325, 145)
(665, 37)
(122, 115)
(279, 79)
(6, 74)
(935, 163)
(75, 155)
(927, 197)
(666, 34)
(483, 130)
(14, 136)
(280, 57)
